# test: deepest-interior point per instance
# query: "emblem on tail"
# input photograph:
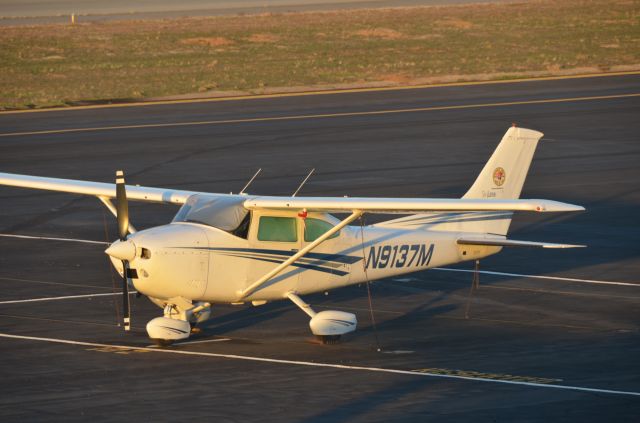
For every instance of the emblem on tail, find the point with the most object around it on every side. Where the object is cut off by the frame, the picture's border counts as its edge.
(499, 176)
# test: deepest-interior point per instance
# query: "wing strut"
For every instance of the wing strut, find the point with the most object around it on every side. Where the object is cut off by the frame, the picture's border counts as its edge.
(108, 204)
(300, 303)
(266, 278)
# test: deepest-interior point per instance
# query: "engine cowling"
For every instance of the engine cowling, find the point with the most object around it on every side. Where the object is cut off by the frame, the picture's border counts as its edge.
(168, 330)
(332, 322)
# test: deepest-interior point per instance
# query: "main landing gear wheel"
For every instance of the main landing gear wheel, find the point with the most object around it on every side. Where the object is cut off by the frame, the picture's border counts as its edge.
(329, 339)
(163, 343)
(328, 325)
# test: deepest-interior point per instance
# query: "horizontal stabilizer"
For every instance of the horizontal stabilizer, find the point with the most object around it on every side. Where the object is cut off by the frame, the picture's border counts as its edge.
(503, 242)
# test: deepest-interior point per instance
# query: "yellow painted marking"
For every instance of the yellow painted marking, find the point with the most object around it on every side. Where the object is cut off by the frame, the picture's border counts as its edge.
(320, 116)
(492, 376)
(116, 350)
(323, 92)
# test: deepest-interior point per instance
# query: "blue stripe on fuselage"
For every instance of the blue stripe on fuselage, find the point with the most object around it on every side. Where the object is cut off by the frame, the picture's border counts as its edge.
(338, 258)
(320, 257)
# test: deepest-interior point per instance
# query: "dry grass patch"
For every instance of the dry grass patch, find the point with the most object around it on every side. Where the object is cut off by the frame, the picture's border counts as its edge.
(381, 33)
(263, 38)
(454, 23)
(397, 78)
(207, 41)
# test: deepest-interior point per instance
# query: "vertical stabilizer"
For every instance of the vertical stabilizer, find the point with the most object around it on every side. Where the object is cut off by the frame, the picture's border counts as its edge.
(504, 174)
(501, 178)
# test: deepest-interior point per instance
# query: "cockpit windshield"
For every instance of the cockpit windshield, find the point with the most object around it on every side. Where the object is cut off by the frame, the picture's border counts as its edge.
(222, 212)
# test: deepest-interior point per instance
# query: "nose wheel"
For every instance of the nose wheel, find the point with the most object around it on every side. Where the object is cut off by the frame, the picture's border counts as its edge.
(179, 321)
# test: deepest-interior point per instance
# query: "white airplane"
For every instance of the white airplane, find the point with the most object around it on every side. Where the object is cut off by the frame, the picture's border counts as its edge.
(224, 248)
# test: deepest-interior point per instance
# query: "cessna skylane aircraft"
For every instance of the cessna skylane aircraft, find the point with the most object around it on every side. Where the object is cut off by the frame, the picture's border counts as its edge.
(224, 248)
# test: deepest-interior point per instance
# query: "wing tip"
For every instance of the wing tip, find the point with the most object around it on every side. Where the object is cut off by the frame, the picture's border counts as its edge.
(556, 206)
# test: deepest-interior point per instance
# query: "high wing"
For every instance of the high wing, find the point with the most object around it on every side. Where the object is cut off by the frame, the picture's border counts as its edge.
(98, 189)
(405, 205)
(321, 204)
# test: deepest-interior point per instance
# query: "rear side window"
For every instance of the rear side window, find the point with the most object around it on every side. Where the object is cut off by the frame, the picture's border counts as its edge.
(314, 228)
(281, 229)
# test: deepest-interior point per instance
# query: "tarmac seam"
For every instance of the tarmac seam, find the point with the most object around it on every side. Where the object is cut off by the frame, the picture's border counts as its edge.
(324, 365)
(319, 116)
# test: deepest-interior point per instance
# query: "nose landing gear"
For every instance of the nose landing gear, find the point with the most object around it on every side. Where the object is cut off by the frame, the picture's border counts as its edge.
(178, 322)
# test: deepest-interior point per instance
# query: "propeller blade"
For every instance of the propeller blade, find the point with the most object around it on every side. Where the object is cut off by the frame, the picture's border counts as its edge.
(122, 207)
(126, 307)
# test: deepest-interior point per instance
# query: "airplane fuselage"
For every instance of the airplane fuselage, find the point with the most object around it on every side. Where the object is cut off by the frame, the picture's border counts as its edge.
(203, 263)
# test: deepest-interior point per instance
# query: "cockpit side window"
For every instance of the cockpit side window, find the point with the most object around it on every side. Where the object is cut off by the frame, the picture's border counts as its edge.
(315, 228)
(280, 229)
(242, 230)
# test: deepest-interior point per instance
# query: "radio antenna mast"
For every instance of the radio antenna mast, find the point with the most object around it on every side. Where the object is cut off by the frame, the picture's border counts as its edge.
(250, 180)
(303, 182)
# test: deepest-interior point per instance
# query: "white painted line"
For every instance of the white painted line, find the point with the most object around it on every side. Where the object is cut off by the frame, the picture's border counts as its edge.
(555, 278)
(68, 297)
(84, 241)
(52, 283)
(325, 365)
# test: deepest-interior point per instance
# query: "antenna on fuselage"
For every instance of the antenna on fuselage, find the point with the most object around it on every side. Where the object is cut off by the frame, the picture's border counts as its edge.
(250, 180)
(304, 181)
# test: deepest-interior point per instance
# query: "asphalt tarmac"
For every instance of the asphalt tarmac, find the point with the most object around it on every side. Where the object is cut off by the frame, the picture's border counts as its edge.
(532, 349)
